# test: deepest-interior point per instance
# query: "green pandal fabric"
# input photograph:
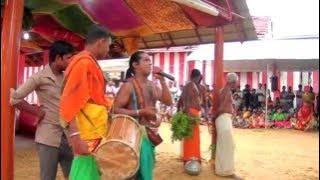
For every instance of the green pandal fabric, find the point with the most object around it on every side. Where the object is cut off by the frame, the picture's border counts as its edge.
(47, 6)
(74, 19)
(70, 16)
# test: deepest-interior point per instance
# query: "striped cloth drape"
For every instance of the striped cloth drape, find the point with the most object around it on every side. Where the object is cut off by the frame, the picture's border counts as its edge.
(176, 64)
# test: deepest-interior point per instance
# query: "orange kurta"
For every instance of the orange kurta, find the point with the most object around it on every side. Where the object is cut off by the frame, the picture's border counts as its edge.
(84, 82)
(191, 146)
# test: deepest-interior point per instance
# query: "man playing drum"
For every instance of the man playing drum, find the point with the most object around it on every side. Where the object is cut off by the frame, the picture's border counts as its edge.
(83, 105)
(139, 88)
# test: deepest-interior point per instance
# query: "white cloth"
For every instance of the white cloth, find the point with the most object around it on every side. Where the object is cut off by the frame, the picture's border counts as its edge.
(111, 89)
(261, 95)
(224, 162)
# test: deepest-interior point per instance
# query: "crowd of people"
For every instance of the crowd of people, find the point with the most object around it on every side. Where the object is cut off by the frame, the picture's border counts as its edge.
(298, 110)
(290, 110)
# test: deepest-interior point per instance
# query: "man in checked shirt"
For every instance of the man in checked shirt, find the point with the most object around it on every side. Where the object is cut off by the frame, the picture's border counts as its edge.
(53, 147)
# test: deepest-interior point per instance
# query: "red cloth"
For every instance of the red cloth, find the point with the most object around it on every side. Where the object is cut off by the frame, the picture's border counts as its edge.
(304, 115)
(283, 124)
(191, 146)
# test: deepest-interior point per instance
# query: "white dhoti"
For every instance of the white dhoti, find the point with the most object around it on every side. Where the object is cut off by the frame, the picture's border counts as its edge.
(224, 162)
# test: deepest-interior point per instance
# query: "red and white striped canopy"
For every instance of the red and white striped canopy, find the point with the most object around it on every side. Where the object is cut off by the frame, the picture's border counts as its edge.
(176, 64)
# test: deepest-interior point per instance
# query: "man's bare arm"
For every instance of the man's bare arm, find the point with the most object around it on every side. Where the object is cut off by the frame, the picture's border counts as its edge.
(222, 101)
(180, 100)
(25, 106)
(165, 95)
(79, 146)
(122, 100)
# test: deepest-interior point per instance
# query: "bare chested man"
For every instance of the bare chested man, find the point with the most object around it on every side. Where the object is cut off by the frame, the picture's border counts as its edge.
(224, 162)
(126, 103)
(190, 102)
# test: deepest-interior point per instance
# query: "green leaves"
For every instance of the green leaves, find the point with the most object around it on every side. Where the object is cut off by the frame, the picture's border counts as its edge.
(182, 126)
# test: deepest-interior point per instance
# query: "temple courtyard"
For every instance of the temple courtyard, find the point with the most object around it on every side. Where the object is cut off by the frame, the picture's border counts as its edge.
(270, 154)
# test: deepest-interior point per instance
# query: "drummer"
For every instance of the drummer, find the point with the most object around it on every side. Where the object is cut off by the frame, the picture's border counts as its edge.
(84, 86)
(140, 68)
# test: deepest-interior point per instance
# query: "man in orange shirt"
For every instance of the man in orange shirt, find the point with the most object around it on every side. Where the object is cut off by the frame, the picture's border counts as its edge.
(84, 87)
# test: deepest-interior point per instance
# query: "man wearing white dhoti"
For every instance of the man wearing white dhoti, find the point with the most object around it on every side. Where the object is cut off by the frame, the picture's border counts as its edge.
(224, 162)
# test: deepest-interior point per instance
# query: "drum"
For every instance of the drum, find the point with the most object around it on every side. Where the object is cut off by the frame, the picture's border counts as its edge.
(118, 155)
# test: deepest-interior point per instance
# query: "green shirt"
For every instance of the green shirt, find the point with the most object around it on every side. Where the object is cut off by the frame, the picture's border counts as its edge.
(278, 117)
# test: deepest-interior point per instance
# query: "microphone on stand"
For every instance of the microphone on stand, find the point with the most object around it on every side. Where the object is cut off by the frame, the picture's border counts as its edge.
(166, 75)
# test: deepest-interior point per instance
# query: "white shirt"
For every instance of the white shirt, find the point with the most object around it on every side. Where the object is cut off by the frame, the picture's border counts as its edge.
(262, 95)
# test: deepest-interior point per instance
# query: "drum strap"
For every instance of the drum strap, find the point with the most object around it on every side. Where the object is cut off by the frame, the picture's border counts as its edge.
(135, 101)
(138, 97)
(138, 93)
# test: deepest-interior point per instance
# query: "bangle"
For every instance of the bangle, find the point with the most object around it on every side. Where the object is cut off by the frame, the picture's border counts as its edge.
(74, 134)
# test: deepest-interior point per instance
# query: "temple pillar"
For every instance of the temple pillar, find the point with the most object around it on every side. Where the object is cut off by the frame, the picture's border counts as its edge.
(10, 51)
(218, 80)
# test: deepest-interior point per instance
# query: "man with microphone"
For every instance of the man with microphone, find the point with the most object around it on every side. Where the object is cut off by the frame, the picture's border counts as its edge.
(137, 98)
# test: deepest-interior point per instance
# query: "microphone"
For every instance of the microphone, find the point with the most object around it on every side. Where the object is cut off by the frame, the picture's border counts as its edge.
(166, 75)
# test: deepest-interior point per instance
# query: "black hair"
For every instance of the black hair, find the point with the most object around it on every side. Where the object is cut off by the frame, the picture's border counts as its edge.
(116, 82)
(96, 32)
(135, 58)
(195, 73)
(59, 48)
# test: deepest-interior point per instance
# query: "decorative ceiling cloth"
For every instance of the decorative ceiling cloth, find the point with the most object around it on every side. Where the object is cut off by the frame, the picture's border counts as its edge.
(152, 23)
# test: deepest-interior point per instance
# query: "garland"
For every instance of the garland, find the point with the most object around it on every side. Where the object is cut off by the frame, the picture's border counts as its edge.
(181, 126)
